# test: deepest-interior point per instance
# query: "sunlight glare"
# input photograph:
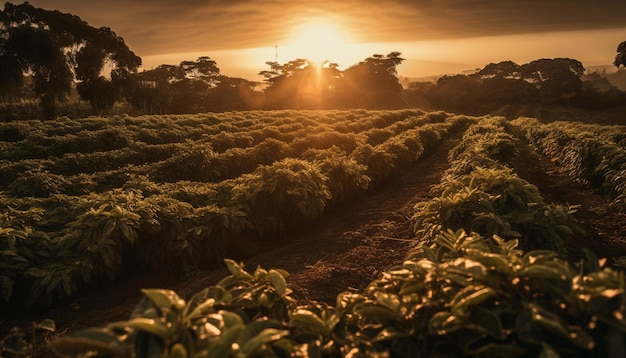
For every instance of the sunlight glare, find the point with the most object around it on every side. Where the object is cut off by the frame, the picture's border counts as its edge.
(317, 41)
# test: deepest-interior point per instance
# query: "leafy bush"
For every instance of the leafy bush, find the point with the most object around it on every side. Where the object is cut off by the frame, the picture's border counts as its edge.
(585, 155)
(463, 295)
(281, 195)
(497, 202)
(346, 178)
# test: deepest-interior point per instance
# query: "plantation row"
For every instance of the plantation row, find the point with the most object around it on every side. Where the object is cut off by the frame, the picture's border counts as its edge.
(42, 161)
(56, 244)
(481, 194)
(593, 154)
(456, 294)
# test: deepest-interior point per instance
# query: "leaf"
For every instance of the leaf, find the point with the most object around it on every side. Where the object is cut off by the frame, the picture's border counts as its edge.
(486, 321)
(237, 271)
(108, 228)
(469, 296)
(215, 293)
(127, 232)
(178, 350)
(94, 339)
(47, 324)
(148, 325)
(443, 323)
(542, 272)
(309, 320)
(265, 336)
(278, 281)
(375, 312)
(226, 344)
(36, 272)
(388, 300)
(164, 298)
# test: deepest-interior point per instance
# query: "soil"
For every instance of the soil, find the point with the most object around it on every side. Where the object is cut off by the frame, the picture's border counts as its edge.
(349, 246)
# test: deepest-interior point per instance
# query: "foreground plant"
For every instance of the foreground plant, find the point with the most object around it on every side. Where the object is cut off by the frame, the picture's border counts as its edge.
(462, 295)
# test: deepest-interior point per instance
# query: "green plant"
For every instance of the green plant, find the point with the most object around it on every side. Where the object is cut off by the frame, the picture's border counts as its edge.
(242, 315)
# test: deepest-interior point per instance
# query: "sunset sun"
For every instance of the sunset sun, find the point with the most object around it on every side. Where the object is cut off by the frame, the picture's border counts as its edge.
(318, 41)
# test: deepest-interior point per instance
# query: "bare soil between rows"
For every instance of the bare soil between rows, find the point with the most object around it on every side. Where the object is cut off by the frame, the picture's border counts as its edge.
(349, 246)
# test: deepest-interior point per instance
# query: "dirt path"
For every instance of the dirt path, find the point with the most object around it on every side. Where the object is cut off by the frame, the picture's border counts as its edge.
(345, 250)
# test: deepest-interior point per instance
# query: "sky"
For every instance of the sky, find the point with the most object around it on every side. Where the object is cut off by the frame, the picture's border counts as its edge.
(434, 36)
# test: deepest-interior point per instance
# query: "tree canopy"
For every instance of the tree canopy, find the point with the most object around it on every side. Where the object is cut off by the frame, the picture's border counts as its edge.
(303, 84)
(189, 87)
(620, 58)
(57, 48)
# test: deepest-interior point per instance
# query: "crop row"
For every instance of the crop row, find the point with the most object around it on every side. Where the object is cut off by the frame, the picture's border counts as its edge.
(40, 140)
(54, 245)
(456, 294)
(596, 157)
(481, 193)
(227, 153)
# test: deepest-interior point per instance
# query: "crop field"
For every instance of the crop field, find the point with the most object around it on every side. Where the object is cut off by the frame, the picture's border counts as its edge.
(476, 235)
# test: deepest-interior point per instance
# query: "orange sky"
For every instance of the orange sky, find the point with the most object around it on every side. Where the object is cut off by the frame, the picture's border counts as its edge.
(435, 36)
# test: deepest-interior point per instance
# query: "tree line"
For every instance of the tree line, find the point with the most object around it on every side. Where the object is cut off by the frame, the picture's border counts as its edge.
(48, 56)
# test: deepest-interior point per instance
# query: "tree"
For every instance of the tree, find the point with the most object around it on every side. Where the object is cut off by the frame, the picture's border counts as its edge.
(504, 69)
(372, 82)
(300, 83)
(52, 47)
(176, 89)
(556, 79)
(620, 58)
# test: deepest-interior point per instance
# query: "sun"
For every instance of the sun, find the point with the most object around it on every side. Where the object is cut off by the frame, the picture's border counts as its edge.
(318, 41)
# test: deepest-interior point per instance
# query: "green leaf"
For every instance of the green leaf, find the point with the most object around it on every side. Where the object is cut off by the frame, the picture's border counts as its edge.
(265, 336)
(309, 320)
(542, 272)
(47, 324)
(375, 312)
(148, 325)
(469, 296)
(164, 298)
(485, 321)
(388, 300)
(215, 293)
(126, 231)
(278, 281)
(108, 228)
(443, 323)
(224, 346)
(237, 271)
(101, 340)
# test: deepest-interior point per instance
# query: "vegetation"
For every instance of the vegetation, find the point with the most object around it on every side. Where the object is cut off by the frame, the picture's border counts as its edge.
(88, 200)
(593, 154)
(490, 278)
(70, 64)
(57, 48)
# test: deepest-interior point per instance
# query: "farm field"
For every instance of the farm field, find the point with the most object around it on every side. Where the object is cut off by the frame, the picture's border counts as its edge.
(101, 207)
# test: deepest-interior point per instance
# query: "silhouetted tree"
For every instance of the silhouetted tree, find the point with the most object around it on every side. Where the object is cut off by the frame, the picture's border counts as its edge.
(620, 58)
(300, 84)
(504, 70)
(556, 79)
(52, 46)
(190, 87)
(372, 82)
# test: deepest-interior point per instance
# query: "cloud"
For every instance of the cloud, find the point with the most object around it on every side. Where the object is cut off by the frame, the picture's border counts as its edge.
(153, 27)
